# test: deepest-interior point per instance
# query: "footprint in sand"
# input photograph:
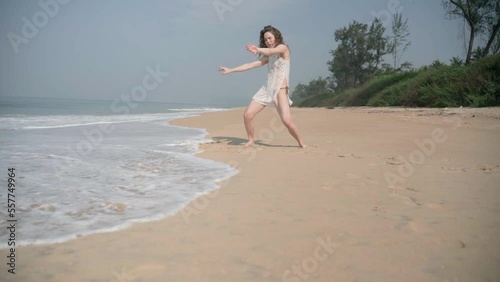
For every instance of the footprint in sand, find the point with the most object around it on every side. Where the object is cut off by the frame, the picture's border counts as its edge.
(394, 161)
(308, 149)
(330, 185)
(408, 200)
(402, 193)
(353, 180)
(437, 205)
(401, 189)
(364, 180)
(419, 226)
(411, 189)
(453, 169)
(348, 156)
(412, 201)
(488, 168)
(342, 186)
(450, 242)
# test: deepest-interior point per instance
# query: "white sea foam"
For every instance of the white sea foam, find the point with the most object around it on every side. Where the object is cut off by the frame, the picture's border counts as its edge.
(200, 109)
(144, 170)
(47, 122)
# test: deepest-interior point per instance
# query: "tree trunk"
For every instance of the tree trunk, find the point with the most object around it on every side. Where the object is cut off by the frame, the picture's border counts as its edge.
(471, 45)
(355, 78)
(496, 48)
(492, 38)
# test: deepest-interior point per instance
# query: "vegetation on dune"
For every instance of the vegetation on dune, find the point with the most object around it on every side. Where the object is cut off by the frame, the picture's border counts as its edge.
(475, 85)
(359, 76)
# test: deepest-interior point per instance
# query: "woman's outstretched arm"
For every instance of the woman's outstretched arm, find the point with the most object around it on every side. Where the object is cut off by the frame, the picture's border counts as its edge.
(280, 49)
(245, 67)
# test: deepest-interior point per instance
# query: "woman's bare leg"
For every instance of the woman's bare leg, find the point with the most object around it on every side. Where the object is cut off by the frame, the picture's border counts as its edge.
(252, 109)
(284, 111)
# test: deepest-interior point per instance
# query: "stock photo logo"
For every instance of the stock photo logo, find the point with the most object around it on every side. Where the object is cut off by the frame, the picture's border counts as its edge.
(223, 6)
(385, 16)
(93, 137)
(307, 266)
(425, 149)
(31, 27)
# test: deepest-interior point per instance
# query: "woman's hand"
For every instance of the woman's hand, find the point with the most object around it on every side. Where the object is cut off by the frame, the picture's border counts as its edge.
(224, 70)
(251, 48)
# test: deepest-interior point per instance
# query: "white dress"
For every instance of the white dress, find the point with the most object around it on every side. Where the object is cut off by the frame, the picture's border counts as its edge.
(278, 69)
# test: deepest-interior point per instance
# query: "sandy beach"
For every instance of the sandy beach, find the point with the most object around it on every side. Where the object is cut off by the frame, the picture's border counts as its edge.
(380, 194)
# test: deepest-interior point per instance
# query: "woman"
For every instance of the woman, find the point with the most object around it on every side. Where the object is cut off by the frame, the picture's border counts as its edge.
(272, 51)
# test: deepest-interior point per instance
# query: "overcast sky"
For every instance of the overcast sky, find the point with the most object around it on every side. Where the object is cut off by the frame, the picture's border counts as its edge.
(101, 49)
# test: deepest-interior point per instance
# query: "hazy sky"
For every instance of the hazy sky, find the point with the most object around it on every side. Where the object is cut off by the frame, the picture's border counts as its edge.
(101, 49)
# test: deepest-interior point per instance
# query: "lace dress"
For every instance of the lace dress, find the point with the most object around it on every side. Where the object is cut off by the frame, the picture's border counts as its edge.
(278, 69)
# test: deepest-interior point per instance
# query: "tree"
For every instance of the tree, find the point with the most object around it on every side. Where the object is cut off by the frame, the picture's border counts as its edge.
(476, 13)
(330, 83)
(389, 69)
(377, 47)
(406, 66)
(299, 91)
(315, 87)
(358, 54)
(350, 55)
(437, 64)
(386, 69)
(496, 46)
(477, 54)
(456, 62)
(399, 39)
(493, 24)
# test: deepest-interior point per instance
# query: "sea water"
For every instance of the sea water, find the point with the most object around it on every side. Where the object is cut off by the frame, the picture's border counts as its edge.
(80, 168)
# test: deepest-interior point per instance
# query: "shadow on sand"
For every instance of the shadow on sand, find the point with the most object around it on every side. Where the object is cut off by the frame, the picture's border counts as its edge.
(235, 141)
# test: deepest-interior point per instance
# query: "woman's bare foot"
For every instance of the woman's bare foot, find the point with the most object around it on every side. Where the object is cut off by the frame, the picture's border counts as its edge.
(249, 143)
(303, 146)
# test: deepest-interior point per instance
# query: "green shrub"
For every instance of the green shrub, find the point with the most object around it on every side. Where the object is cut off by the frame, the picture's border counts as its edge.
(475, 85)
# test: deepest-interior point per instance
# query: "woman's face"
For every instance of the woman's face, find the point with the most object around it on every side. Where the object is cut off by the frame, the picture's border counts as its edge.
(269, 39)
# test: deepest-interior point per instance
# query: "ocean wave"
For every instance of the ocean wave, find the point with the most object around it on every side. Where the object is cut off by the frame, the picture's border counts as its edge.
(143, 171)
(49, 122)
(202, 109)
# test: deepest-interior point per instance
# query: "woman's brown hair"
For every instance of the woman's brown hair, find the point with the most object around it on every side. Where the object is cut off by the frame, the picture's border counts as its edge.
(277, 37)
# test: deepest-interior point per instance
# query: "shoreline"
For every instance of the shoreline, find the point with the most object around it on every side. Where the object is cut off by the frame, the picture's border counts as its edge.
(28, 241)
(325, 212)
(150, 218)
